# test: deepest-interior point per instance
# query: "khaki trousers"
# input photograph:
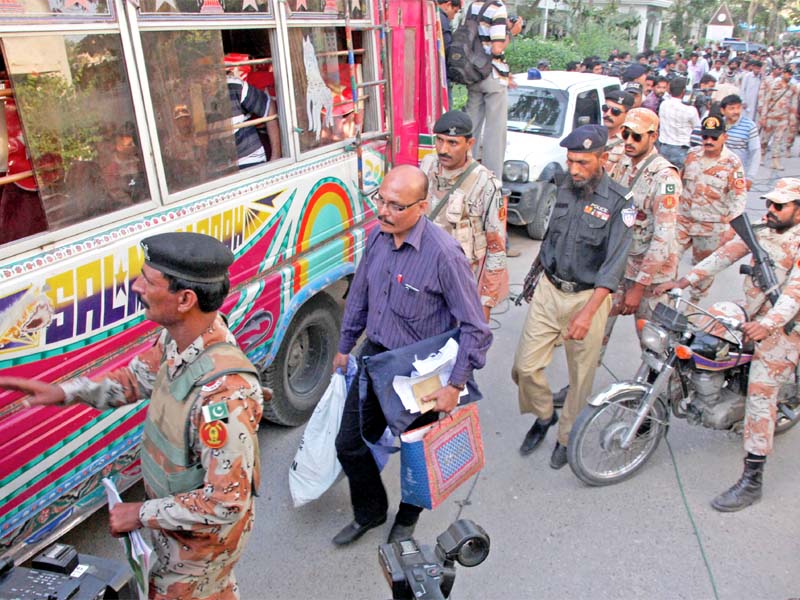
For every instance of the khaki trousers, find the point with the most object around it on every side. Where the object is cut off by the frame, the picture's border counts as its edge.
(547, 322)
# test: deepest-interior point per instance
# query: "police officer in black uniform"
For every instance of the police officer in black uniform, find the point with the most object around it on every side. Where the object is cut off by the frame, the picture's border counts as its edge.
(583, 257)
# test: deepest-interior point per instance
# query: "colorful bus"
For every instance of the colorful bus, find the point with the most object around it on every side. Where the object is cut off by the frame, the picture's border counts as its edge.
(265, 123)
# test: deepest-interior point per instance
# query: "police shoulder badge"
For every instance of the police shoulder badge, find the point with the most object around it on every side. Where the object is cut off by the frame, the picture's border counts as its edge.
(629, 216)
(214, 434)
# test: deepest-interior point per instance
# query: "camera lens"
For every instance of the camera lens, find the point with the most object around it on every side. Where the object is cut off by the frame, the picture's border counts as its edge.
(473, 552)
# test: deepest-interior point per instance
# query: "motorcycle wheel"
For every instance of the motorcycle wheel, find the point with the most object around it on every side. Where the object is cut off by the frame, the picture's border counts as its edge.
(784, 423)
(594, 451)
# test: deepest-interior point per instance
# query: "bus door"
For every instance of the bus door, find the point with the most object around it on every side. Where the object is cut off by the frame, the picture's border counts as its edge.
(405, 20)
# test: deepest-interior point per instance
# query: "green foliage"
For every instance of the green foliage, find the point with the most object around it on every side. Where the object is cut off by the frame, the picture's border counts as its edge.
(71, 132)
(525, 53)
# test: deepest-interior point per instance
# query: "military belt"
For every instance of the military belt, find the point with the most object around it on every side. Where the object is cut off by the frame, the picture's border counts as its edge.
(570, 287)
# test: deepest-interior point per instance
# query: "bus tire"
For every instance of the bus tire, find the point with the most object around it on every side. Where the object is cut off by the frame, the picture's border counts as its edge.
(301, 371)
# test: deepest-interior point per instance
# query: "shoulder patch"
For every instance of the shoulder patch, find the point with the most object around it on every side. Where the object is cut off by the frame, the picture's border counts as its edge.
(629, 216)
(668, 188)
(670, 201)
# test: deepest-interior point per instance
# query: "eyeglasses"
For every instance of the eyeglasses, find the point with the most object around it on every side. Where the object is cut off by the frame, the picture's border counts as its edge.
(778, 207)
(705, 136)
(614, 111)
(626, 133)
(394, 206)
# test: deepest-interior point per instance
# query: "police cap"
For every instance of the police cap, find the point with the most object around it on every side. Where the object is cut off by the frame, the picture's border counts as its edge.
(712, 125)
(634, 87)
(454, 122)
(633, 72)
(586, 138)
(193, 257)
(620, 97)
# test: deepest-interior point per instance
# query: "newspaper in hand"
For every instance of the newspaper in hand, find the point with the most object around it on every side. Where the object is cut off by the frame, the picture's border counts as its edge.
(136, 549)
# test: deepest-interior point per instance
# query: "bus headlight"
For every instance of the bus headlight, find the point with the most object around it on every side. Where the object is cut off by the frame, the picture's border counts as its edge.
(515, 171)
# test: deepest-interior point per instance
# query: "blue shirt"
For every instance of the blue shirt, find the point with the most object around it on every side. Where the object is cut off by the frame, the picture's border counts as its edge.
(421, 289)
(744, 141)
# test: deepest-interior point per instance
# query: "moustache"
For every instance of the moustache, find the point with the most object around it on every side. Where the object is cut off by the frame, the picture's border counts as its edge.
(607, 119)
(385, 221)
(142, 302)
(444, 156)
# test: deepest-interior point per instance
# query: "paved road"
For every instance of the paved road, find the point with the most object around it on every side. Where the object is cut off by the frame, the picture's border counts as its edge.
(552, 536)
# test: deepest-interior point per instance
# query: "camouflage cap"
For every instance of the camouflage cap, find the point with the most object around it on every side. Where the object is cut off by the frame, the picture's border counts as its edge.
(641, 120)
(787, 189)
(194, 257)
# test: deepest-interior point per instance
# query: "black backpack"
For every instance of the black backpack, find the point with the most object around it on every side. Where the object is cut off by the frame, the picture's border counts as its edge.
(467, 62)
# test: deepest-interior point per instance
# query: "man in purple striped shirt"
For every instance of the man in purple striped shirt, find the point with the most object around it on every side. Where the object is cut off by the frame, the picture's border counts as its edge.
(413, 282)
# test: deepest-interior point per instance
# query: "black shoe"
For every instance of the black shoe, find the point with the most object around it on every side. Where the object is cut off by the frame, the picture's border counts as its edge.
(536, 435)
(400, 532)
(355, 530)
(559, 456)
(560, 397)
(744, 492)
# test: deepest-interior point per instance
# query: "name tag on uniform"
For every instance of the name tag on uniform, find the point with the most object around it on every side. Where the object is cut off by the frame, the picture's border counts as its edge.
(597, 211)
(216, 411)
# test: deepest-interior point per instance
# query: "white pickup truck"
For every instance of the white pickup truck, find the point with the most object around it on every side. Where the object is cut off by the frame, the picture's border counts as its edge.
(542, 112)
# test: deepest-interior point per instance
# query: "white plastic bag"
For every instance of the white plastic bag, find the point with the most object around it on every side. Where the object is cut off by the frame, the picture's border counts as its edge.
(315, 467)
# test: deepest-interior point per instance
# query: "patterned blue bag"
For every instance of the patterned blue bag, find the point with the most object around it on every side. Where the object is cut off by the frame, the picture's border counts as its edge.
(436, 459)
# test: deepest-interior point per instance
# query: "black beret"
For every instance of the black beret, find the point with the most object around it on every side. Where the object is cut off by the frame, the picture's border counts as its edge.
(633, 87)
(586, 138)
(713, 125)
(194, 257)
(454, 122)
(633, 71)
(621, 97)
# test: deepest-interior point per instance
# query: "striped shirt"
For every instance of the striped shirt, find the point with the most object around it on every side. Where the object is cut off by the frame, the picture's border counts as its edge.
(421, 289)
(493, 27)
(743, 140)
(246, 102)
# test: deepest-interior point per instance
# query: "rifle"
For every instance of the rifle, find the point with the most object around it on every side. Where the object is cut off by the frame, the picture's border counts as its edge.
(763, 270)
(531, 281)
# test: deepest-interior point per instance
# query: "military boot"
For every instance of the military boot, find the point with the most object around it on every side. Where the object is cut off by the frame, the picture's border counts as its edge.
(747, 490)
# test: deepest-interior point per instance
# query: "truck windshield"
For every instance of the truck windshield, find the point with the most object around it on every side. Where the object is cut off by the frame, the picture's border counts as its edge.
(537, 110)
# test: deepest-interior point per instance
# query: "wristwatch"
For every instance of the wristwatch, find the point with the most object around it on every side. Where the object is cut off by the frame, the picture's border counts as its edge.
(459, 386)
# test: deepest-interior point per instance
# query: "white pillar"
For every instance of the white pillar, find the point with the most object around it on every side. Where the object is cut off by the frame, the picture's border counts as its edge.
(657, 31)
(642, 35)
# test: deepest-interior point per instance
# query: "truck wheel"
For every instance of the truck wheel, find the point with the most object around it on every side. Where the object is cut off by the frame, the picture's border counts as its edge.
(538, 226)
(301, 371)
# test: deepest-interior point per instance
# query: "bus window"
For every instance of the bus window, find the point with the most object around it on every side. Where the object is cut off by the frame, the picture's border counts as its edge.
(322, 89)
(75, 124)
(328, 8)
(215, 102)
(207, 8)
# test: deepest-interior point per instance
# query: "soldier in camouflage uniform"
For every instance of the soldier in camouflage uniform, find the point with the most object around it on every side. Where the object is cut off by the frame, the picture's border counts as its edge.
(203, 390)
(656, 186)
(777, 115)
(617, 105)
(474, 214)
(714, 192)
(776, 355)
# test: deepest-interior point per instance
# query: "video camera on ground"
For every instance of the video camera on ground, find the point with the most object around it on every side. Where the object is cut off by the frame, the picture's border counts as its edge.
(421, 573)
(60, 573)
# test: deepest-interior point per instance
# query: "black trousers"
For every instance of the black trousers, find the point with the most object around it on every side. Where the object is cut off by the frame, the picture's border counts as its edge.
(367, 493)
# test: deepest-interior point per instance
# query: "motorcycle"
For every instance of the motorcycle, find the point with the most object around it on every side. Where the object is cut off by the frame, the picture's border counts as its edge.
(695, 366)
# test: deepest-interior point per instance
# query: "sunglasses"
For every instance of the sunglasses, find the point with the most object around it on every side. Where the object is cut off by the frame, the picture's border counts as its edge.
(778, 207)
(614, 111)
(709, 137)
(627, 133)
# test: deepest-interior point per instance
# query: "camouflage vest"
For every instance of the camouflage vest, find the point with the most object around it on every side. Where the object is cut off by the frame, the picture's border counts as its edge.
(644, 190)
(169, 466)
(456, 218)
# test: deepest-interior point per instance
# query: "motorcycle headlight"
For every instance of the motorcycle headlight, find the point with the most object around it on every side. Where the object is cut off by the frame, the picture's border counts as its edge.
(515, 171)
(654, 338)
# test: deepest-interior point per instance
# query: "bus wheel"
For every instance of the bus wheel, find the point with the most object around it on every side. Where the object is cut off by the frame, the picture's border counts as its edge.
(301, 371)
